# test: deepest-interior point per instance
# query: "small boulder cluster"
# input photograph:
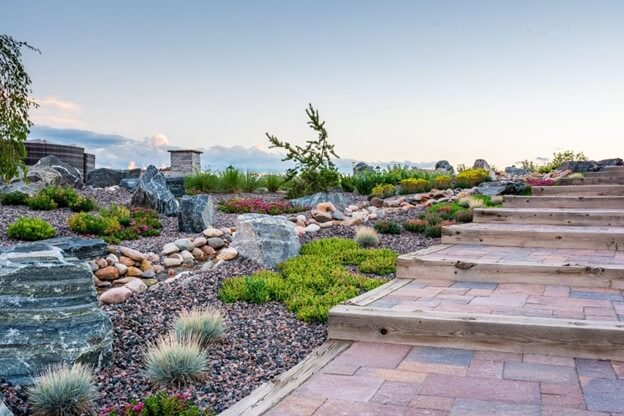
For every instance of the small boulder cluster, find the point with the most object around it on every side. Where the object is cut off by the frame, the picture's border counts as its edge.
(214, 243)
(125, 271)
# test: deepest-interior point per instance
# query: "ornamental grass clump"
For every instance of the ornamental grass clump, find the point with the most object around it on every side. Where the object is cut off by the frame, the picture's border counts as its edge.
(415, 225)
(273, 182)
(366, 237)
(63, 391)
(30, 229)
(206, 325)
(172, 361)
(387, 227)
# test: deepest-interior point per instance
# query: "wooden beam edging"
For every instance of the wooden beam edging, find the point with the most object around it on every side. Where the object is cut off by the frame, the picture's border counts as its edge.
(582, 339)
(272, 392)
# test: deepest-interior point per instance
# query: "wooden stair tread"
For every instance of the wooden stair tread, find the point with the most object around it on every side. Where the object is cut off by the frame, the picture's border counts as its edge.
(530, 228)
(593, 190)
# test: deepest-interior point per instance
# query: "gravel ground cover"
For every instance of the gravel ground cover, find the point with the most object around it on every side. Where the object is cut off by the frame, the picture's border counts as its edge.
(261, 341)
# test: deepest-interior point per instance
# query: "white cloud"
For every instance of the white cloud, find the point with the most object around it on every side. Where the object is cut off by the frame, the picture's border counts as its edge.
(56, 111)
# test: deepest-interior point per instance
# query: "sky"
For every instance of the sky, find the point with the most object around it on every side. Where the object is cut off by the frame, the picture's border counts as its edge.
(412, 80)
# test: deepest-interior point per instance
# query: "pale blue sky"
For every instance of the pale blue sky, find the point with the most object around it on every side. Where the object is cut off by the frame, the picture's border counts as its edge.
(395, 80)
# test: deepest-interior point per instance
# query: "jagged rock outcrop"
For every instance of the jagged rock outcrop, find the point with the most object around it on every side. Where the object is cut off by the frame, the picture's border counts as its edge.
(48, 313)
(103, 177)
(444, 165)
(69, 174)
(590, 165)
(196, 213)
(267, 239)
(152, 192)
(337, 198)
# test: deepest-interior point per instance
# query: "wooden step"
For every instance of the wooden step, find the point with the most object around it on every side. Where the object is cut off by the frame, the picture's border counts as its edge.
(578, 338)
(563, 201)
(603, 174)
(550, 216)
(480, 263)
(614, 169)
(594, 180)
(527, 235)
(579, 190)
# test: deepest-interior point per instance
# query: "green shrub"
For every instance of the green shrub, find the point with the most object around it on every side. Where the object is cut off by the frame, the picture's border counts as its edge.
(560, 158)
(387, 227)
(250, 181)
(30, 229)
(442, 182)
(63, 390)
(160, 404)
(464, 216)
(414, 185)
(273, 182)
(471, 177)
(62, 195)
(346, 183)
(82, 204)
(366, 237)
(85, 223)
(201, 182)
(415, 225)
(14, 198)
(119, 212)
(41, 202)
(311, 283)
(206, 325)
(433, 231)
(173, 361)
(383, 191)
(232, 180)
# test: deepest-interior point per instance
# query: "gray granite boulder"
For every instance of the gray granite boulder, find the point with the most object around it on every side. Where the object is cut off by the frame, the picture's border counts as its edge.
(176, 185)
(103, 177)
(444, 165)
(4, 411)
(81, 248)
(129, 183)
(483, 164)
(36, 179)
(267, 239)
(309, 201)
(196, 213)
(502, 188)
(514, 171)
(152, 192)
(69, 174)
(48, 313)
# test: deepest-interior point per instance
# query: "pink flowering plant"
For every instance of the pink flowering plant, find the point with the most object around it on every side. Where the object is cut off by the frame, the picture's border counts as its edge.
(541, 182)
(160, 404)
(259, 206)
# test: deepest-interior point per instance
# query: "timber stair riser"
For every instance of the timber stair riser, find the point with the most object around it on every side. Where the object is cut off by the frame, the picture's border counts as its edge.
(613, 218)
(579, 190)
(608, 277)
(591, 181)
(612, 169)
(583, 339)
(602, 174)
(581, 202)
(533, 238)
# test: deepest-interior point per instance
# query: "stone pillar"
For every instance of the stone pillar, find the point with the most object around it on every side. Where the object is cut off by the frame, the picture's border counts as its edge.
(185, 162)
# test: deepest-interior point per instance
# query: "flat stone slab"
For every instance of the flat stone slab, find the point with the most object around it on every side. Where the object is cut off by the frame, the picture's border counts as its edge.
(456, 382)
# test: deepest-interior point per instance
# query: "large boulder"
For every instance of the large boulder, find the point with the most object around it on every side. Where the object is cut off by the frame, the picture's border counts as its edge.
(444, 165)
(103, 177)
(590, 165)
(483, 164)
(49, 313)
(337, 198)
(514, 171)
(502, 188)
(196, 213)
(36, 179)
(4, 411)
(69, 174)
(176, 185)
(81, 248)
(267, 239)
(152, 192)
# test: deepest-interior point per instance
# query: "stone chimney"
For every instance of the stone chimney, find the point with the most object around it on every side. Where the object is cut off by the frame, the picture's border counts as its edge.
(184, 162)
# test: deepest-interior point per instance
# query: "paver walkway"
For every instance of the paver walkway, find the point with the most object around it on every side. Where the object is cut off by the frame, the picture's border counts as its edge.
(387, 379)
(506, 299)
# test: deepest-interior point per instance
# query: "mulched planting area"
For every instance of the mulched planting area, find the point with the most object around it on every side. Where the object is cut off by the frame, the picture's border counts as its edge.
(260, 342)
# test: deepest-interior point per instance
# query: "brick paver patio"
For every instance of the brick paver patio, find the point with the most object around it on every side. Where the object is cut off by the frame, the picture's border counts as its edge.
(386, 379)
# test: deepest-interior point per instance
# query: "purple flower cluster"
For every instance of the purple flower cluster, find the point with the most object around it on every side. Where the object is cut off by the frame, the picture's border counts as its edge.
(259, 206)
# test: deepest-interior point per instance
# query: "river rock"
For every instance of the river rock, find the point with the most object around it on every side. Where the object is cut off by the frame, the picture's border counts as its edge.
(184, 244)
(152, 192)
(337, 198)
(267, 239)
(49, 313)
(229, 253)
(116, 295)
(170, 248)
(213, 232)
(108, 273)
(135, 255)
